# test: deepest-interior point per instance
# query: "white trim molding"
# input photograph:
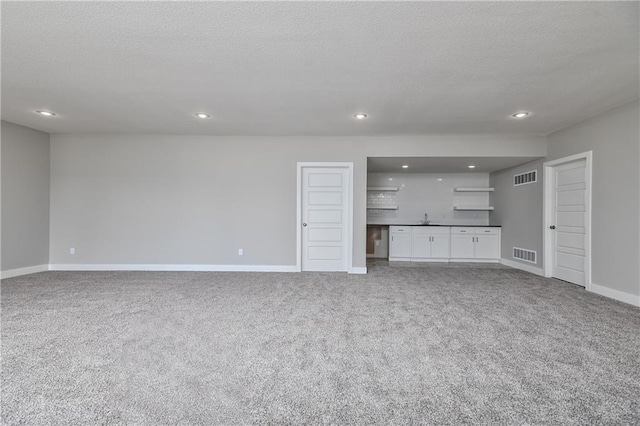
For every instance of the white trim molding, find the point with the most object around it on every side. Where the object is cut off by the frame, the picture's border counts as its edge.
(157, 267)
(10, 273)
(618, 295)
(173, 268)
(523, 266)
(548, 239)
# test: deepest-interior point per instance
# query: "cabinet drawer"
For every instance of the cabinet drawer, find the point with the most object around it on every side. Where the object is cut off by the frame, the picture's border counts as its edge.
(445, 230)
(431, 230)
(487, 231)
(400, 229)
(463, 231)
(420, 230)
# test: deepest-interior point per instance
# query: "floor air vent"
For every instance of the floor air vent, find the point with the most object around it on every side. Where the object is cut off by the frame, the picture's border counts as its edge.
(524, 178)
(526, 255)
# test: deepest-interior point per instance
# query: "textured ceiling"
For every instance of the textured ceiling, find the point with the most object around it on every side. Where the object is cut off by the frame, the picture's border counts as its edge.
(304, 68)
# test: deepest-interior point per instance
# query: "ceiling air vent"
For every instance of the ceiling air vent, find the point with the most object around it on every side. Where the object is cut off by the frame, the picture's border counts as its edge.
(526, 255)
(525, 178)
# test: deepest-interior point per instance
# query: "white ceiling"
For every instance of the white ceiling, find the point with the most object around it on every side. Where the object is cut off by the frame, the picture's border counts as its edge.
(304, 68)
(442, 164)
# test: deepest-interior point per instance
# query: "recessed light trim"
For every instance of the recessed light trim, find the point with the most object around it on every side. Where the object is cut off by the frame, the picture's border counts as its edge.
(360, 116)
(521, 114)
(439, 179)
(46, 113)
(405, 166)
(471, 166)
(202, 115)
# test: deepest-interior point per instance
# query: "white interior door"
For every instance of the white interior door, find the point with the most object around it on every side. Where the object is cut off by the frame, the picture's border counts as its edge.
(325, 197)
(569, 217)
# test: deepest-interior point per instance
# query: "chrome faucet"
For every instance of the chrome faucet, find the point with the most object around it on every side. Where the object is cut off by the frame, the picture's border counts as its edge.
(426, 219)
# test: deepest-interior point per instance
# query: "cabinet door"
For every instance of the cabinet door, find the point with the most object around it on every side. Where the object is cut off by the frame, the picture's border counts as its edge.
(400, 245)
(462, 246)
(420, 245)
(488, 246)
(440, 246)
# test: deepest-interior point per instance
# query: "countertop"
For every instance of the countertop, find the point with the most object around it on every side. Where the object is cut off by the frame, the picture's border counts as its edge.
(433, 224)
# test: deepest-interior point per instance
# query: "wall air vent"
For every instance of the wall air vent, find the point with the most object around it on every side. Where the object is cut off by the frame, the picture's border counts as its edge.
(523, 254)
(525, 178)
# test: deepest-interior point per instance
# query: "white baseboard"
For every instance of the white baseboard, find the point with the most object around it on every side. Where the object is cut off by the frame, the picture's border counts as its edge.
(176, 268)
(23, 271)
(157, 267)
(523, 266)
(473, 260)
(616, 294)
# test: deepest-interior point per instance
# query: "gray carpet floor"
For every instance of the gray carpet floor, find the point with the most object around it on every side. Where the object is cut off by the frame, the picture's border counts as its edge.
(450, 345)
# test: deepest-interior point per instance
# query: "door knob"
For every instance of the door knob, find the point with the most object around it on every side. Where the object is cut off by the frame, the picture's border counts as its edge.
(552, 227)
(304, 224)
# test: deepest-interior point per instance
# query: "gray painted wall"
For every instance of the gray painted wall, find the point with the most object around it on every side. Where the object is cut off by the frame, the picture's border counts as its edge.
(132, 199)
(614, 139)
(519, 210)
(25, 197)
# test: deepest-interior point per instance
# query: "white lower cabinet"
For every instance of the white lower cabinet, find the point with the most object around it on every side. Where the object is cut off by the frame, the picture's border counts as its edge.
(400, 243)
(444, 244)
(474, 244)
(430, 243)
(463, 244)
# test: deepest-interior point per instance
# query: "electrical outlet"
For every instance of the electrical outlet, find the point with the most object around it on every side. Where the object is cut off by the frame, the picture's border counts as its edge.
(72, 250)
(240, 252)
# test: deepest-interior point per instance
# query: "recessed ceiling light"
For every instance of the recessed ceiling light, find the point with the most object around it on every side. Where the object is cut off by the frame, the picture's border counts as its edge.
(405, 166)
(46, 113)
(521, 114)
(390, 178)
(202, 115)
(471, 166)
(439, 179)
(360, 116)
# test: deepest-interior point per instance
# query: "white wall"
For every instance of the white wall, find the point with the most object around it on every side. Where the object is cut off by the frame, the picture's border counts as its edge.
(614, 139)
(25, 198)
(519, 210)
(145, 199)
(420, 193)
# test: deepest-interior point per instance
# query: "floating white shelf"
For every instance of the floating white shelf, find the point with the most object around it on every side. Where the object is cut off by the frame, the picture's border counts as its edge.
(382, 207)
(473, 189)
(487, 208)
(382, 188)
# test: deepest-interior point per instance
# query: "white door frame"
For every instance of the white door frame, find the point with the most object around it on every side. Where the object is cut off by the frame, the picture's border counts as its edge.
(349, 167)
(548, 213)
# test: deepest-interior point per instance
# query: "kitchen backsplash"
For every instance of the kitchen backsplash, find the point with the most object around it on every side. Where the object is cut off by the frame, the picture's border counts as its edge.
(420, 193)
